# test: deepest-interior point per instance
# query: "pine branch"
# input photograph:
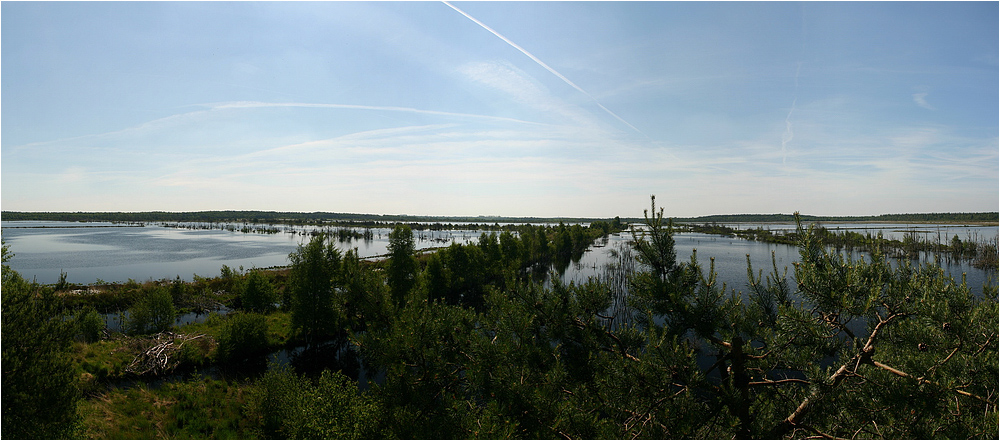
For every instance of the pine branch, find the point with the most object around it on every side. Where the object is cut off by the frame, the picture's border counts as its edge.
(863, 356)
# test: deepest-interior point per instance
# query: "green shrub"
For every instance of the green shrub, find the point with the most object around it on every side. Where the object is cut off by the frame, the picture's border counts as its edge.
(232, 279)
(89, 325)
(243, 335)
(152, 313)
(292, 407)
(258, 292)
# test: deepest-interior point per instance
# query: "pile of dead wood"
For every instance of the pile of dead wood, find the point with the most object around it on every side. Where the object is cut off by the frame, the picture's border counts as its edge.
(159, 354)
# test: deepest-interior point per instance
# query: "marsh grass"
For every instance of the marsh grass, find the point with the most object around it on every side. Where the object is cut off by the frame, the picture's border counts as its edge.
(200, 408)
(102, 360)
(196, 408)
(107, 360)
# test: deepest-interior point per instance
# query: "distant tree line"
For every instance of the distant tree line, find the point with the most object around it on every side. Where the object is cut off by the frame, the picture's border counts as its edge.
(273, 217)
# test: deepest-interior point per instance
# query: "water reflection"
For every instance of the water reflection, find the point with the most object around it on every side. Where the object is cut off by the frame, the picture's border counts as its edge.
(114, 321)
(114, 252)
(730, 260)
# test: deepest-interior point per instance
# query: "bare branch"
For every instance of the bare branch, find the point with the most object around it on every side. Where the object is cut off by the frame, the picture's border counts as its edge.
(817, 432)
(779, 382)
(923, 381)
(983, 347)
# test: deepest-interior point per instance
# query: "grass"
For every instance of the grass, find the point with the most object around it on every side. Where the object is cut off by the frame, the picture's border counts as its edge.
(197, 408)
(200, 408)
(102, 360)
(107, 360)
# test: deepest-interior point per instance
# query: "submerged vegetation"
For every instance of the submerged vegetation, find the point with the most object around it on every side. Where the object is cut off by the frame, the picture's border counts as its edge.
(474, 341)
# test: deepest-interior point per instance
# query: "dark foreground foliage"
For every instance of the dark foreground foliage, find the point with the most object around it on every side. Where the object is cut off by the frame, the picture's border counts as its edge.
(39, 389)
(469, 342)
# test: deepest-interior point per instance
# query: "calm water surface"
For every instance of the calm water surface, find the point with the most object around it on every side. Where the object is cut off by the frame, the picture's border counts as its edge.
(88, 251)
(115, 253)
(729, 256)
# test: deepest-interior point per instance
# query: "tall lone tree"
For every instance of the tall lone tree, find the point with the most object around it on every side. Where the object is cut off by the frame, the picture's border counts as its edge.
(314, 276)
(402, 271)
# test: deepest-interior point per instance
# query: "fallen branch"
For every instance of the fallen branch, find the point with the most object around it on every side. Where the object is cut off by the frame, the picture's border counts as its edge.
(159, 357)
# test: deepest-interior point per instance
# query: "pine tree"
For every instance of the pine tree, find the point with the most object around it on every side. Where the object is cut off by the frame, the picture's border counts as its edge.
(39, 387)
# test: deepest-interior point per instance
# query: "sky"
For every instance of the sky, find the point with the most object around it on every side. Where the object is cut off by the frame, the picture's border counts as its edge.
(546, 109)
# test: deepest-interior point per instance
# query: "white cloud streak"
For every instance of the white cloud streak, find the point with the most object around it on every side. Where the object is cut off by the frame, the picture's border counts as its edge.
(789, 134)
(259, 104)
(545, 66)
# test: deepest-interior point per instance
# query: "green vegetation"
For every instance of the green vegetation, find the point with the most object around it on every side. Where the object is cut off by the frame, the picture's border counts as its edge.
(473, 341)
(982, 253)
(200, 408)
(89, 324)
(153, 312)
(290, 406)
(402, 270)
(243, 335)
(39, 389)
(257, 293)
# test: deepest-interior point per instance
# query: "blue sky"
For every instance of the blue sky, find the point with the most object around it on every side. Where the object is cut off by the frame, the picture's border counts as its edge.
(501, 108)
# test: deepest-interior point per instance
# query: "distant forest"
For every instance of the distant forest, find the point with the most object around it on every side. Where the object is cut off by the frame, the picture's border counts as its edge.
(349, 218)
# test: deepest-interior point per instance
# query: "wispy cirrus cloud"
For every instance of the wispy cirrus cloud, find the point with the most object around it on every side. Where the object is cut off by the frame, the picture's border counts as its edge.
(921, 100)
(211, 112)
(260, 104)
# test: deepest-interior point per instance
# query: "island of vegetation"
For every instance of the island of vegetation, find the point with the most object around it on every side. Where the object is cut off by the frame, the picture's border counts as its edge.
(474, 341)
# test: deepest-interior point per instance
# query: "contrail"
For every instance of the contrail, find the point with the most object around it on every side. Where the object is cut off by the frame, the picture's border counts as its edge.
(789, 134)
(542, 63)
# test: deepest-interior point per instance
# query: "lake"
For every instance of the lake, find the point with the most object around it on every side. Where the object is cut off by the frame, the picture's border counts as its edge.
(88, 251)
(94, 251)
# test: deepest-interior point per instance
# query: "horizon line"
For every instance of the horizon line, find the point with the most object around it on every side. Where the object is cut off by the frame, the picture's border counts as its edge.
(497, 216)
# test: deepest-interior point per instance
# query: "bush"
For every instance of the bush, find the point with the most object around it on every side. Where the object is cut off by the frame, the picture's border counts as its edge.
(89, 325)
(242, 336)
(152, 313)
(232, 279)
(258, 293)
(292, 407)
